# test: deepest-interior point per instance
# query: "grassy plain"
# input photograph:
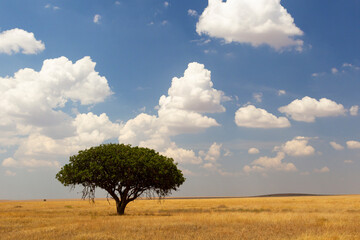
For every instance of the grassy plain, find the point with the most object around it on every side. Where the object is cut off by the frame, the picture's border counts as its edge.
(324, 217)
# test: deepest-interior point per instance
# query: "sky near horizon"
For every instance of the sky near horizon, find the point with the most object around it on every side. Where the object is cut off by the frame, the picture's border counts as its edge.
(248, 96)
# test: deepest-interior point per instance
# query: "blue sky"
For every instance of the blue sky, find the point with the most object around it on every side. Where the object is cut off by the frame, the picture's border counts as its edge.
(248, 96)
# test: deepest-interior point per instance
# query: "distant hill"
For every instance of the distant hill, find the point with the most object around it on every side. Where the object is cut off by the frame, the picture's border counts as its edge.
(289, 195)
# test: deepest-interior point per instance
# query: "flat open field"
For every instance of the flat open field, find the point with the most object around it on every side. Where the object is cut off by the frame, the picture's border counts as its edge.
(330, 217)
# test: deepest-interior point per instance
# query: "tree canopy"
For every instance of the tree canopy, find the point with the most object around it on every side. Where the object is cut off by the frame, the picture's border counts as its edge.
(125, 172)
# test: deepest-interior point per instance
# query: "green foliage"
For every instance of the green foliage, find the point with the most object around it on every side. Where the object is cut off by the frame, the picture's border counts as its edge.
(125, 172)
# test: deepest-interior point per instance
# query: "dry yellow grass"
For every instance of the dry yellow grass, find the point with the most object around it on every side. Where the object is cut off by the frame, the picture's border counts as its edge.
(331, 217)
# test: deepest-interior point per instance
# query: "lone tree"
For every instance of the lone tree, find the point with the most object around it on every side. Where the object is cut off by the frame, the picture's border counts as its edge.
(125, 172)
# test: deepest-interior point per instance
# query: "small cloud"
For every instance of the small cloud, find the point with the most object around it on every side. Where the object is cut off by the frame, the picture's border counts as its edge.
(281, 92)
(349, 65)
(214, 153)
(201, 41)
(165, 22)
(336, 146)
(206, 41)
(210, 51)
(143, 109)
(210, 166)
(151, 23)
(264, 164)
(227, 153)
(258, 97)
(18, 40)
(117, 3)
(353, 144)
(296, 147)
(354, 110)
(139, 88)
(253, 151)
(9, 162)
(166, 4)
(229, 55)
(10, 173)
(252, 117)
(308, 109)
(348, 161)
(52, 7)
(322, 170)
(192, 13)
(181, 155)
(97, 19)
(318, 74)
(335, 70)
(187, 172)
(224, 173)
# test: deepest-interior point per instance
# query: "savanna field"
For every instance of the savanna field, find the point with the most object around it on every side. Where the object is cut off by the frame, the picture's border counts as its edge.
(320, 217)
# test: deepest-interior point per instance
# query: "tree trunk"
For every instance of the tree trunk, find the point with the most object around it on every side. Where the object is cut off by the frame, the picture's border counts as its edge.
(120, 207)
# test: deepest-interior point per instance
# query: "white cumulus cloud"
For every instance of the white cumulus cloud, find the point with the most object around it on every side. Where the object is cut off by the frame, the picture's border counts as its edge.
(351, 66)
(253, 117)
(255, 22)
(18, 40)
(214, 152)
(52, 6)
(38, 150)
(258, 97)
(336, 146)
(212, 157)
(354, 110)
(181, 155)
(264, 164)
(296, 147)
(308, 109)
(92, 129)
(253, 151)
(31, 100)
(97, 18)
(9, 162)
(32, 118)
(281, 92)
(353, 144)
(194, 92)
(58, 81)
(192, 13)
(181, 111)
